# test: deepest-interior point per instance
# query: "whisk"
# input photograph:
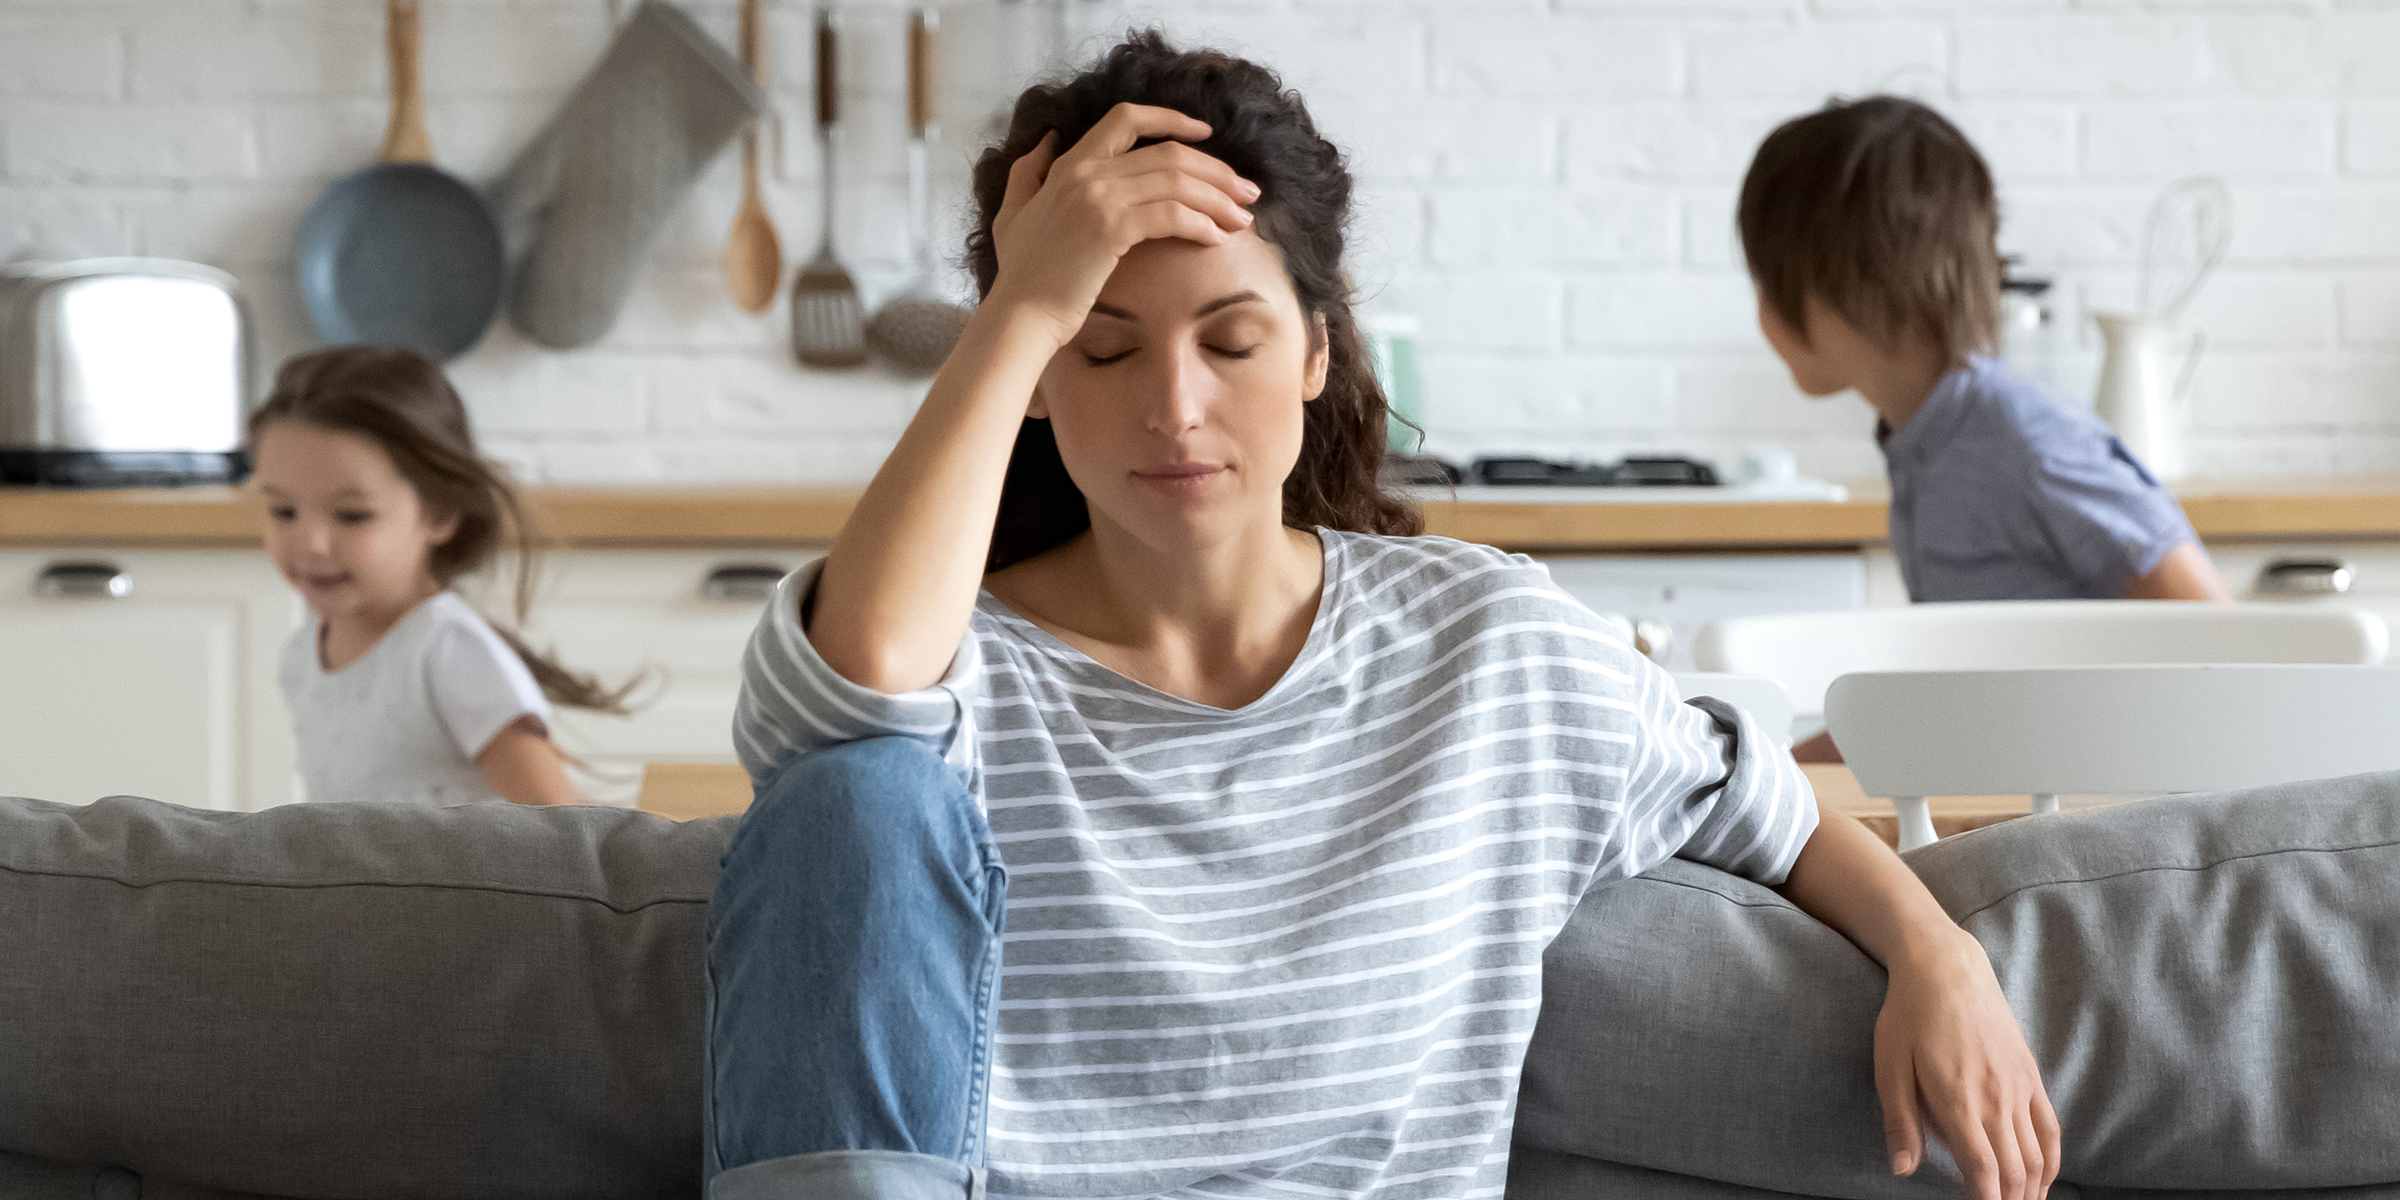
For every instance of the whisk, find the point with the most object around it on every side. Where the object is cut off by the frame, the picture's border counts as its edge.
(2183, 242)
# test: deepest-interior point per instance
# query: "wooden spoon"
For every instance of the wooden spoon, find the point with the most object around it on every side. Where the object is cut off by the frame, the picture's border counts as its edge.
(753, 254)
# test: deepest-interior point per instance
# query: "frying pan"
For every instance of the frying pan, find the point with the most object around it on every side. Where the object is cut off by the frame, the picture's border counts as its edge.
(402, 253)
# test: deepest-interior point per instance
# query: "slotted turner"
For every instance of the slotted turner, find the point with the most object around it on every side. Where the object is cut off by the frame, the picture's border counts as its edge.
(828, 326)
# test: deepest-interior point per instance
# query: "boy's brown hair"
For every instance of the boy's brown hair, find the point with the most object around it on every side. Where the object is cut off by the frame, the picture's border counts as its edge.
(1883, 211)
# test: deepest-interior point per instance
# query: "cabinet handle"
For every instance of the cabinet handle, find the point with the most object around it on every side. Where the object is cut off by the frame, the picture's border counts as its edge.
(1654, 639)
(749, 582)
(83, 580)
(2305, 577)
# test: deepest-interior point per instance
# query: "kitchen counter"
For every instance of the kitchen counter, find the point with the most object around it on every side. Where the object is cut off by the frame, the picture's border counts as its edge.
(2366, 506)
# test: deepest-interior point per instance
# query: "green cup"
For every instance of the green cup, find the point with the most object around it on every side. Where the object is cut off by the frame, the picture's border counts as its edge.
(1392, 344)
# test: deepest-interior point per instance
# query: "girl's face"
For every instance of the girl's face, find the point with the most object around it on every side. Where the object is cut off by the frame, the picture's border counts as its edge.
(343, 525)
(1177, 407)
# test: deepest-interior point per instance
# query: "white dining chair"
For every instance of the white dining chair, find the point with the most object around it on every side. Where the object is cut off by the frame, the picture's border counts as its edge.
(2150, 729)
(1761, 697)
(1806, 652)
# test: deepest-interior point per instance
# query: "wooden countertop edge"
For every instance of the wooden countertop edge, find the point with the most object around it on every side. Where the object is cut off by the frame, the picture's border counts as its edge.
(784, 517)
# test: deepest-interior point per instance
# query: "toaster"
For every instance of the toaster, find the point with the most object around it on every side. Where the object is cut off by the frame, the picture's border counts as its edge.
(119, 372)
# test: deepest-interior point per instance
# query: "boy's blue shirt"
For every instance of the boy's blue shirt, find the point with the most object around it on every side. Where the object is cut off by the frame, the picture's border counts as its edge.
(2002, 490)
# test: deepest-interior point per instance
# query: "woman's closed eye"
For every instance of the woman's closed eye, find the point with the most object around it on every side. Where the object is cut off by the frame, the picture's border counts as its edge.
(353, 516)
(283, 513)
(1102, 360)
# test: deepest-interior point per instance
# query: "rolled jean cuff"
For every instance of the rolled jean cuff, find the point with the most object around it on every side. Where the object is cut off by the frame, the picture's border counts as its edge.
(849, 1175)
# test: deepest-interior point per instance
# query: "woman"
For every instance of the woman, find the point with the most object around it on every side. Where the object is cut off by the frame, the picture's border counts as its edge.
(1123, 653)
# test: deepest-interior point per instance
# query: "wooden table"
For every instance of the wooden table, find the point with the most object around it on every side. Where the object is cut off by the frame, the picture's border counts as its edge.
(686, 791)
(1838, 790)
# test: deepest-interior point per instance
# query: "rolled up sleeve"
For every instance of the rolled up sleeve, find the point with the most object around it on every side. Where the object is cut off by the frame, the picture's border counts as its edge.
(1711, 785)
(792, 701)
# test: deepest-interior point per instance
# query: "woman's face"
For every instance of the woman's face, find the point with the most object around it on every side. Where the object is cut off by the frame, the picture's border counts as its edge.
(1177, 407)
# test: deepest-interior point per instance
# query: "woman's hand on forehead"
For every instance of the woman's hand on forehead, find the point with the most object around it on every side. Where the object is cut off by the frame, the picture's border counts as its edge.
(1066, 219)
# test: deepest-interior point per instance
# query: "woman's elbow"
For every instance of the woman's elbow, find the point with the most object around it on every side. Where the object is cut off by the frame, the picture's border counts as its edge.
(877, 663)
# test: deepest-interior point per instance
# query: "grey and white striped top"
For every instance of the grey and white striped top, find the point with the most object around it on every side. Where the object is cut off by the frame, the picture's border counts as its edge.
(1295, 948)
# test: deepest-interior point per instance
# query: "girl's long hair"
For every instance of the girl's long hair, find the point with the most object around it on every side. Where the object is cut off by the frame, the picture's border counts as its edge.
(1265, 133)
(400, 401)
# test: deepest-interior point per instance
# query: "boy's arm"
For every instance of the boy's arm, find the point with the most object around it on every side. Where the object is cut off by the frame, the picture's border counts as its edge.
(2184, 574)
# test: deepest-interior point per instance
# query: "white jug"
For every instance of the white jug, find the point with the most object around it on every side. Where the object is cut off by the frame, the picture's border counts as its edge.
(2135, 395)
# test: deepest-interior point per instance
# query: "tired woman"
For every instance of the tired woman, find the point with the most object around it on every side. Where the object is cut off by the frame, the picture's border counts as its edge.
(1144, 808)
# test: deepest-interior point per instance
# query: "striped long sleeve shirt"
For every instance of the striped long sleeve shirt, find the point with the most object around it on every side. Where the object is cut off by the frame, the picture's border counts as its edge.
(1294, 949)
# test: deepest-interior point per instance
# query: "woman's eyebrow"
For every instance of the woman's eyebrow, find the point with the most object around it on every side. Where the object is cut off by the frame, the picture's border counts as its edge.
(1227, 302)
(1111, 310)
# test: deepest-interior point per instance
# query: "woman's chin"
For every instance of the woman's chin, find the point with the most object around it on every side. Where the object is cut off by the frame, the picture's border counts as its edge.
(1191, 515)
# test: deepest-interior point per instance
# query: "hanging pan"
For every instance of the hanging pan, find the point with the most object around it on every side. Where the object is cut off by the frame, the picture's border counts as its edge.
(402, 253)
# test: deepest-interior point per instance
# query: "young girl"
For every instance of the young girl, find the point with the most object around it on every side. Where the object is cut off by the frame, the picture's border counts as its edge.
(376, 502)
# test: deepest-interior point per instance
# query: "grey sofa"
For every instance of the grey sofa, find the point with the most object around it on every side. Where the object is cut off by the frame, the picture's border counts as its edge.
(348, 1002)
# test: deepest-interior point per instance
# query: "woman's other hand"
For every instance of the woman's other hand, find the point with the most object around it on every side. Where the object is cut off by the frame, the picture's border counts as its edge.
(1067, 218)
(1948, 1052)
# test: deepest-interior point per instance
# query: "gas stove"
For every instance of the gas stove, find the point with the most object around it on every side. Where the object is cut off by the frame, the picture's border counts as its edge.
(1639, 479)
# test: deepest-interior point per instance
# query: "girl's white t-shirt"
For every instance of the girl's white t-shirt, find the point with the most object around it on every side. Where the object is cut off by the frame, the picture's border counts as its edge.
(405, 721)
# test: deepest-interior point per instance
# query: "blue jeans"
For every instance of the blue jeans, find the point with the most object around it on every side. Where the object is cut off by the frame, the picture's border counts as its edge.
(853, 973)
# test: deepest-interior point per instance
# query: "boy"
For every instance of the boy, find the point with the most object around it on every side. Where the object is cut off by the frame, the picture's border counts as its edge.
(1869, 230)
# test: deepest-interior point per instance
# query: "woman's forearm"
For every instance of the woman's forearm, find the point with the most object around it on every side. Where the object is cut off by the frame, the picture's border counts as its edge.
(1847, 878)
(900, 583)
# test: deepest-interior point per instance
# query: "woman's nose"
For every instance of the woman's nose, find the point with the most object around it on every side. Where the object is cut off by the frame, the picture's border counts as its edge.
(1183, 392)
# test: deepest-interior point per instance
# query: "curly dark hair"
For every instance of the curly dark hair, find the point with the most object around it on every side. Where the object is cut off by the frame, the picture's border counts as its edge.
(1263, 132)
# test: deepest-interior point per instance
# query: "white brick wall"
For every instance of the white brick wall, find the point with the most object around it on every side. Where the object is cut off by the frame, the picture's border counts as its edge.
(1547, 184)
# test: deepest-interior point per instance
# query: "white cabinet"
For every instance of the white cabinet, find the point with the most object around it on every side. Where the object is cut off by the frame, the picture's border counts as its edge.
(166, 690)
(1689, 591)
(679, 617)
(169, 690)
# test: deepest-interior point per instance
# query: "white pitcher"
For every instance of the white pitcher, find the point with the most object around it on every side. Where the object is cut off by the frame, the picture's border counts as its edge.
(2135, 395)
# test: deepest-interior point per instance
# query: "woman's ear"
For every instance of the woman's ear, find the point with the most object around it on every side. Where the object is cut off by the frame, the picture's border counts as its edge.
(1320, 357)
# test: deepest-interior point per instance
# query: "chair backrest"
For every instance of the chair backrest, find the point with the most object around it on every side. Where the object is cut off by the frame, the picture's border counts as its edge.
(2189, 728)
(1808, 651)
(1761, 697)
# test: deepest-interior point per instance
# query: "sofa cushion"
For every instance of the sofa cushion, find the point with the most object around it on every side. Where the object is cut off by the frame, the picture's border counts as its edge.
(2211, 984)
(356, 1002)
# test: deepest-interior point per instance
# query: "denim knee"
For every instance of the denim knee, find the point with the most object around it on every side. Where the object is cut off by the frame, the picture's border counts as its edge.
(881, 798)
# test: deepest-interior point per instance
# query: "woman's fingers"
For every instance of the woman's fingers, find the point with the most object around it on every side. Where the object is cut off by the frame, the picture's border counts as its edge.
(2045, 1131)
(2037, 1163)
(1026, 176)
(1896, 1086)
(1199, 164)
(1127, 124)
(1199, 196)
(1171, 219)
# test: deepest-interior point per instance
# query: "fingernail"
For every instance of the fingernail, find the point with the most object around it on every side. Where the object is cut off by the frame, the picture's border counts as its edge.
(1900, 1163)
(1255, 193)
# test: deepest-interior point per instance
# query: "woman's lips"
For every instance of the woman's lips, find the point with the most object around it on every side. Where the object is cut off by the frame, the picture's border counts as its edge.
(1180, 479)
(323, 582)
(1179, 470)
